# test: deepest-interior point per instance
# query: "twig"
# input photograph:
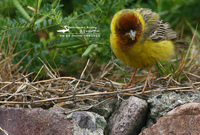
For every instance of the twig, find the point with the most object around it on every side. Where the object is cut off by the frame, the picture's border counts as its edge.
(15, 81)
(88, 107)
(51, 75)
(4, 131)
(38, 73)
(135, 92)
(82, 74)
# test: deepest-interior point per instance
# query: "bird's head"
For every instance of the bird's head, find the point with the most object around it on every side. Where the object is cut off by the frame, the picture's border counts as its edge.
(128, 26)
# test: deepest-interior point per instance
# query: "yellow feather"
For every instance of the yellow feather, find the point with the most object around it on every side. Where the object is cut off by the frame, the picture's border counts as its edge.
(142, 53)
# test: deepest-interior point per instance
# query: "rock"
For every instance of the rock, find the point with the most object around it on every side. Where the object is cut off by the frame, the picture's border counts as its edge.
(105, 109)
(129, 118)
(183, 120)
(24, 121)
(87, 123)
(161, 103)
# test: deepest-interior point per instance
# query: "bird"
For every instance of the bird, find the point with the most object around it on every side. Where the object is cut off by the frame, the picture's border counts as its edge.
(140, 39)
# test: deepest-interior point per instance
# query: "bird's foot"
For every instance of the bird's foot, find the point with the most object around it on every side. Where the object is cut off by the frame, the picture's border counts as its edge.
(147, 82)
(131, 82)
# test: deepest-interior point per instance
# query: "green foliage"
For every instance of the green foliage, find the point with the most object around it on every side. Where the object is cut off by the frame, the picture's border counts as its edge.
(37, 31)
(176, 12)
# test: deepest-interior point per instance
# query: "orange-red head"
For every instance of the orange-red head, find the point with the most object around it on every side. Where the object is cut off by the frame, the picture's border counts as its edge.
(128, 27)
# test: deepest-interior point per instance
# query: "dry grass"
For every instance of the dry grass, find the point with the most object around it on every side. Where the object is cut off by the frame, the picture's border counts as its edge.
(57, 90)
(16, 90)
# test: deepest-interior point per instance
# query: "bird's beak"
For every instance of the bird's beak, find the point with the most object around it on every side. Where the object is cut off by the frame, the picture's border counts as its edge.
(131, 34)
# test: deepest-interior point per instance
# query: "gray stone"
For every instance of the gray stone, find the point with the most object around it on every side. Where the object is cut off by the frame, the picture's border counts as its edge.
(87, 123)
(84, 120)
(161, 103)
(129, 118)
(105, 109)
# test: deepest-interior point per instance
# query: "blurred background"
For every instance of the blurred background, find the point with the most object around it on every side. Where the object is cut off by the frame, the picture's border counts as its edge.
(28, 33)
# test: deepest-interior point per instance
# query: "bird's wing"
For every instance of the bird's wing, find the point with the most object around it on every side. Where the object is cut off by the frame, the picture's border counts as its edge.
(155, 29)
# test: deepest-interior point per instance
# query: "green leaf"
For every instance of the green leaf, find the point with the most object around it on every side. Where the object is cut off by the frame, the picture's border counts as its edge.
(55, 4)
(89, 50)
(22, 11)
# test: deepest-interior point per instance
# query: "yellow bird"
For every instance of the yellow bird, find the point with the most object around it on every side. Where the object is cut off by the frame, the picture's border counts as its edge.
(139, 39)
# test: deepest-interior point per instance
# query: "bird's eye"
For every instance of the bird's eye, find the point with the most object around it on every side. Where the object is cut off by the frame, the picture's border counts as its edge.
(136, 27)
(123, 31)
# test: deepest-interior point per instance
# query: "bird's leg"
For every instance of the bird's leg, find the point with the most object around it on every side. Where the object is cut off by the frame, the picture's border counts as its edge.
(147, 81)
(132, 80)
